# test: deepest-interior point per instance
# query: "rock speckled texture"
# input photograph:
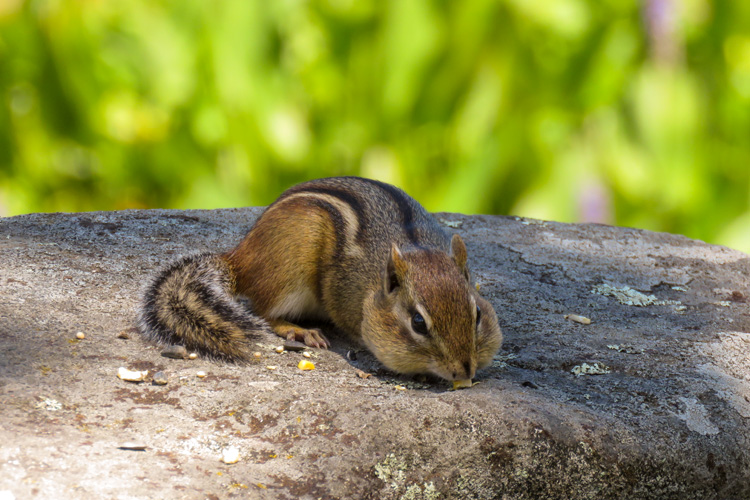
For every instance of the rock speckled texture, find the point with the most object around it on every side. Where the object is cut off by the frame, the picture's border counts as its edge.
(670, 419)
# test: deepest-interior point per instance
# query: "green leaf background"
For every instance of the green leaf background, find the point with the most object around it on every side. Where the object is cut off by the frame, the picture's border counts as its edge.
(626, 112)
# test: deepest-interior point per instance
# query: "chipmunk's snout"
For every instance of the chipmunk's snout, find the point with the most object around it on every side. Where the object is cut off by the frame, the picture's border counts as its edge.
(463, 371)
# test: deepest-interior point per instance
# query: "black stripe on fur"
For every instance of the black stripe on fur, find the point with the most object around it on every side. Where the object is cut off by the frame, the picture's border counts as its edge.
(404, 203)
(347, 198)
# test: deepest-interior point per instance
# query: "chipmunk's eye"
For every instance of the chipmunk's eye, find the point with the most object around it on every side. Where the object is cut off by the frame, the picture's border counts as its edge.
(479, 315)
(419, 324)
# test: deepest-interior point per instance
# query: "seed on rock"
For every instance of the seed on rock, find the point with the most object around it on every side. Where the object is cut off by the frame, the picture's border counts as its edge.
(305, 365)
(578, 319)
(175, 352)
(294, 346)
(160, 378)
(362, 374)
(131, 375)
(123, 334)
(280, 349)
(132, 446)
(230, 455)
(271, 367)
(307, 354)
(462, 384)
(193, 355)
(257, 354)
(201, 374)
(80, 335)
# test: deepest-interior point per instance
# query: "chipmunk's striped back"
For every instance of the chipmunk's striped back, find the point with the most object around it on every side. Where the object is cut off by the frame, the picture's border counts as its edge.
(342, 225)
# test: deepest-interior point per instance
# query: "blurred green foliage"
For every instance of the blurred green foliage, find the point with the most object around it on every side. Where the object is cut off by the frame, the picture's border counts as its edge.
(629, 112)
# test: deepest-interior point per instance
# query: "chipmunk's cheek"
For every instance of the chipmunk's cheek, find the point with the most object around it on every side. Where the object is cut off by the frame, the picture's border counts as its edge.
(487, 347)
(439, 371)
(440, 367)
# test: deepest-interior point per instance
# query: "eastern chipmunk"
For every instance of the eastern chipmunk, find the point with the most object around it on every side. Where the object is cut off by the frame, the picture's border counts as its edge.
(357, 252)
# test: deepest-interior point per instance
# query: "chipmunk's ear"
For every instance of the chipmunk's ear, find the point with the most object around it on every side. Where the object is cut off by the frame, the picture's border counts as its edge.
(395, 269)
(458, 251)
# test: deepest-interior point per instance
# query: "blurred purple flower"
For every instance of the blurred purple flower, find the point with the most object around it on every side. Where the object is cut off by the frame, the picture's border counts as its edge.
(660, 17)
(595, 203)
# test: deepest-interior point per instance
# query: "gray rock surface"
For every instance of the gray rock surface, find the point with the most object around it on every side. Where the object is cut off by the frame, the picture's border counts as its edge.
(669, 419)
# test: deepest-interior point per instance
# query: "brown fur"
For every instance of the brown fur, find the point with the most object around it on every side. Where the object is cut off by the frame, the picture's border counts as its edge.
(361, 254)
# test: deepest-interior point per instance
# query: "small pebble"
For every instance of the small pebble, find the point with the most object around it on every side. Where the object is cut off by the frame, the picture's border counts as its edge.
(271, 367)
(230, 455)
(257, 354)
(307, 354)
(131, 375)
(175, 352)
(80, 335)
(193, 355)
(132, 446)
(201, 374)
(280, 349)
(160, 378)
(294, 346)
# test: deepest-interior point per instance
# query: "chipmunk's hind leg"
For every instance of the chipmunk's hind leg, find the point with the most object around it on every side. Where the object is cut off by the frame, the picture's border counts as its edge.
(278, 264)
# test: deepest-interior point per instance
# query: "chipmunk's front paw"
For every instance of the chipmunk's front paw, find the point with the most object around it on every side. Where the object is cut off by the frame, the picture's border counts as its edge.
(312, 337)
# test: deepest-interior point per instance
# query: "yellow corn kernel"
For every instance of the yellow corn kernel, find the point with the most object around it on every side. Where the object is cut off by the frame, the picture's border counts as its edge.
(462, 384)
(306, 364)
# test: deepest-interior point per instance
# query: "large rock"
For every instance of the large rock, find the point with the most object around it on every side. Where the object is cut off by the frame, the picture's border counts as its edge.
(668, 420)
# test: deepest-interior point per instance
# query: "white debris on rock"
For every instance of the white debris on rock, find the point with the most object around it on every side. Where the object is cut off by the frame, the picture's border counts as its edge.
(628, 349)
(587, 369)
(630, 297)
(230, 455)
(696, 417)
(7, 495)
(455, 224)
(49, 404)
(131, 375)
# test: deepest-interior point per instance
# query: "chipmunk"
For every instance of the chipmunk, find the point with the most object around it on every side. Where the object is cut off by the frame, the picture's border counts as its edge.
(359, 253)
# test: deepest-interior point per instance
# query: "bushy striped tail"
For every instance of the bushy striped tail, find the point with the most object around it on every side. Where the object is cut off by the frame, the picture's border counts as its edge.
(191, 303)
